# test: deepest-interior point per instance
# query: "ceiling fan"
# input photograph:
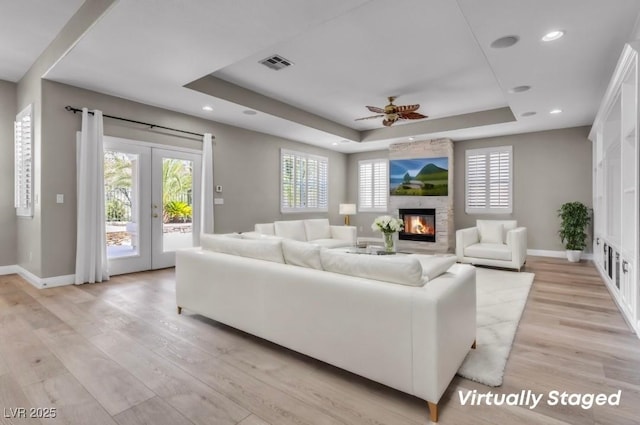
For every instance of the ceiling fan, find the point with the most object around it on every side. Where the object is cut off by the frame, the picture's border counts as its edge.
(393, 113)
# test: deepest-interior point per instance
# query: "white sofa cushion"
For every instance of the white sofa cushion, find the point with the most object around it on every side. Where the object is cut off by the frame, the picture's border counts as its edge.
(490, 231)
(235, 235)
(493, 251)
(256, 235)
(267, 249)
(402, 269)
(317, 228)
(435, 265)
(332, 243)
(291, 229)
(264, 228)
(301, 254)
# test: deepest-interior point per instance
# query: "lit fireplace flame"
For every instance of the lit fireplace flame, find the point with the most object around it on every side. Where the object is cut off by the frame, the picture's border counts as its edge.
(418, 225)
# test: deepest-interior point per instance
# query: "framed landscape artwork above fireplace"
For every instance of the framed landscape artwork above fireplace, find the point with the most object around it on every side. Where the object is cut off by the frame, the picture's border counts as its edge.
(419, 177)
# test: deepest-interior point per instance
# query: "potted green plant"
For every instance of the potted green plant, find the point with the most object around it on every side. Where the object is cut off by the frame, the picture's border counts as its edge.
(575, 217)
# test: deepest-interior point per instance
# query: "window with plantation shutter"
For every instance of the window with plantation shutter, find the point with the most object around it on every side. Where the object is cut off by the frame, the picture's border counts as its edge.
(23, 168)
(489, 180)
(373, 185)
(303, 182)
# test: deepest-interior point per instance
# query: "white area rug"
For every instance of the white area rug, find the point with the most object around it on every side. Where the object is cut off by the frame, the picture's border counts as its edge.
(501, 297)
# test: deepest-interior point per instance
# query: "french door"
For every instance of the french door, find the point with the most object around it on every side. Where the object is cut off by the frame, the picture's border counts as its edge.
(152, 204)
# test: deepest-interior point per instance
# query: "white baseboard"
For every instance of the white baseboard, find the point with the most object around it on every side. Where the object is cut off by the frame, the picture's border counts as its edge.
(38, 282)
(8, 269)
(554, 254)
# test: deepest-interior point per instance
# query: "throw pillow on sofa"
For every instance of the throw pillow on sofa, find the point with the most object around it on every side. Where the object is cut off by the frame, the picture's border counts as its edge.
(435, 265)
(402, 269)
(301, 254)
(290, 229)
(268, 249)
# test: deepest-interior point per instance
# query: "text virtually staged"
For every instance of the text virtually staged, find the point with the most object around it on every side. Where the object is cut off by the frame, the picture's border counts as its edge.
(531, 399)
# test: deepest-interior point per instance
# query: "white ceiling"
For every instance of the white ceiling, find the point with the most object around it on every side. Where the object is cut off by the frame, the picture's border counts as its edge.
(26, 29)
(347, 54)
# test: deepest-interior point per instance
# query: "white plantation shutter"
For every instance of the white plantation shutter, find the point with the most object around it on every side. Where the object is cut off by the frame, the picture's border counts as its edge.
(23, 171)
(489, 182)
(303, 182)
(373, 184)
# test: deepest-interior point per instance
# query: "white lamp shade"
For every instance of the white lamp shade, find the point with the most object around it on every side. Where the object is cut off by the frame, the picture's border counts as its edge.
(347, 209)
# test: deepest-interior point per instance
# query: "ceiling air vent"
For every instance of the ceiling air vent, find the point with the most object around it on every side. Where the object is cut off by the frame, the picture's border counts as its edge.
(276, 62)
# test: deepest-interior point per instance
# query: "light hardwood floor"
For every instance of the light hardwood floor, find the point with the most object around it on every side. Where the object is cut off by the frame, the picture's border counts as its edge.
(117, 353)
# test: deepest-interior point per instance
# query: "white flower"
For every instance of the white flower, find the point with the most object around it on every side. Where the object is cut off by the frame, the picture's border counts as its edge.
(387, 224)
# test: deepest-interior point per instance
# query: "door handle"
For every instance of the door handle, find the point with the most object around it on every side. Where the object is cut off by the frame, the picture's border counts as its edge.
(155, 215)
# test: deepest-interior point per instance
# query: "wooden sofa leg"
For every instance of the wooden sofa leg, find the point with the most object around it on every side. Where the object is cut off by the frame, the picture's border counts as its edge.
(474, 345)
(179, 310)
(433, 411)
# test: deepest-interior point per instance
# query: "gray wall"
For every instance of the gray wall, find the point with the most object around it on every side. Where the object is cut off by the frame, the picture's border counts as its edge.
(361, 220)
(550, 168)
(246, 164)
(7, 211)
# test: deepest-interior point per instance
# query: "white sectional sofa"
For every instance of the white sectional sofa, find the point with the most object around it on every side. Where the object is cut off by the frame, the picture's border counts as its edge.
(317, 231)
(406, 321)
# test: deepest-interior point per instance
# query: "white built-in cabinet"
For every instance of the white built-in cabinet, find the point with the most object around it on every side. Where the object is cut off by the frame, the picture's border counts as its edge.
(615, 186)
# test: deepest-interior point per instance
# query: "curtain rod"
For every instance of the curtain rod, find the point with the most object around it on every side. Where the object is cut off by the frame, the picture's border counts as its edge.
(74, 110)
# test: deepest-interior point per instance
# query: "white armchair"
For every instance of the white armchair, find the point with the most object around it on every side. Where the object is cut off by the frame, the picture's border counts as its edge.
(499, 243)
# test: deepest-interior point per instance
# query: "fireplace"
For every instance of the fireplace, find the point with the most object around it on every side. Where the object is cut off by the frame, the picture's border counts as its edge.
(419, 224)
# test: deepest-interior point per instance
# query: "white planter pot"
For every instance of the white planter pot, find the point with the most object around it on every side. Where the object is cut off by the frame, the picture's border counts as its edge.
(574, 255)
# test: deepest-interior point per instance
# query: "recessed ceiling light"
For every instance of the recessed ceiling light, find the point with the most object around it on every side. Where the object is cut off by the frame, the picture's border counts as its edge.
(335, 143)
(504, 42)
(528, 114)
(412, 138)
(553, 35)
(207, 108)
(519, 89)
(249, 112)
(555, 111)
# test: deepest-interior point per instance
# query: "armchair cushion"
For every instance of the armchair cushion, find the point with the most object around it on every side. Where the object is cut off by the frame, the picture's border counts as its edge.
(491, 232)
(493, 251)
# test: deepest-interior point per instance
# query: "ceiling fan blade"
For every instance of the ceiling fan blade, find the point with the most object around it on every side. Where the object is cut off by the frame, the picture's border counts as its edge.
(368, 118)
(411, 115)
(407, 108)
(375, 109)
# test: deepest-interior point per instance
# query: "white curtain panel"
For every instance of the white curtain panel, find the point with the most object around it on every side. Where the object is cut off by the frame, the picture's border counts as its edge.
(206, 215)
(91, 247)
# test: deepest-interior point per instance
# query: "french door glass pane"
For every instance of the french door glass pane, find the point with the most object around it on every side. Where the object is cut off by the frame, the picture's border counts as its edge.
(121, 189)
(177, 204)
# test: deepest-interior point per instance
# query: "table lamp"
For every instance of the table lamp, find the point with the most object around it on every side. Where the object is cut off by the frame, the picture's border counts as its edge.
(346, 210)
